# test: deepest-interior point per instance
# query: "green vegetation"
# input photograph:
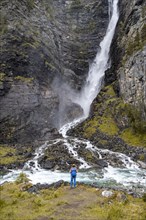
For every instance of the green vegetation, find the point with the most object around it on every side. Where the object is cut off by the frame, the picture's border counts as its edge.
(49, 65)
(7, 155)
(144, 197)
(104, 121)
(143, 11)
(3, 24)
(63, 203)
(113, 117)
(136, 43)
(24, 79)
(138, 125)
(22, 178)
(30, 4)
(32, 45)
(132, 138)
(76, 4)
(10, 154)
(2, 78)
(143, 33)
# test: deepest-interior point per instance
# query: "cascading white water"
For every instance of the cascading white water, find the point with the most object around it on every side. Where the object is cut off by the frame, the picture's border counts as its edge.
(129, 174)
(100, 63)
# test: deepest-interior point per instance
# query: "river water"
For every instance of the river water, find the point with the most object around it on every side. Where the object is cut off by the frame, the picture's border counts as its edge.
(129, 175)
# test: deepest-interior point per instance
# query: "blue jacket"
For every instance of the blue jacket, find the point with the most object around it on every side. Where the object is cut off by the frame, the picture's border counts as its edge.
(73, 171)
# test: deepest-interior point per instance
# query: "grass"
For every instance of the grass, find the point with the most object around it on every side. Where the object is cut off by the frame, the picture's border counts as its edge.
(7, 155)
(83, 202)
(133, 138)
(10, 154)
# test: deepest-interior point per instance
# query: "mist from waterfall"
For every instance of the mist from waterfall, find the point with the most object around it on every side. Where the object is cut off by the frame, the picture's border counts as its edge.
(100, 64)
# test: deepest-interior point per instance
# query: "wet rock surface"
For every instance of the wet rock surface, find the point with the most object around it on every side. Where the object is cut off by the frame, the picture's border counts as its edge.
(128, 53)
(57, 157)
(107, 191)
(46, 48)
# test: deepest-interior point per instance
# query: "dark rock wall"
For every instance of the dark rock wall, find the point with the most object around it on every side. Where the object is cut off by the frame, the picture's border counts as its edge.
(128, 54)
(46, 47)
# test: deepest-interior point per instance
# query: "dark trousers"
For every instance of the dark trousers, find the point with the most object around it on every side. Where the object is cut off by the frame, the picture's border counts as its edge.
(73, 181)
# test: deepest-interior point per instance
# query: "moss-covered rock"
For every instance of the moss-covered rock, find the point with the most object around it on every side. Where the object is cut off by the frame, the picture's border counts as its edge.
(114, 125)
(14, 156)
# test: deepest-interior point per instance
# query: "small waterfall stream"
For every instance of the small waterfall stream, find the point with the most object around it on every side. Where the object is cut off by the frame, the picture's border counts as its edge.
(128, 174)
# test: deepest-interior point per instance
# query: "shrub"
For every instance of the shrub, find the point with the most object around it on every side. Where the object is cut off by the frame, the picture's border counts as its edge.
(144, 197)
(22, 178)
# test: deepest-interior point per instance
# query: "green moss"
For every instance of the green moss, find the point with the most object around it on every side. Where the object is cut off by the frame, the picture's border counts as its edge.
(113, 117)
(3, 24)
(10, 155)
(5, 151)
(108, 126)
(110, 91)
(90, 127)
(133, 138)
(30, 45)
(30, 4)
(135, 118)
(24, 79)
(76, 4)
(142, 157)
(105, 124)
(49, 65)
(103, 142)
(143, 11)
(2, 77)
(137, 43)
(143, 33)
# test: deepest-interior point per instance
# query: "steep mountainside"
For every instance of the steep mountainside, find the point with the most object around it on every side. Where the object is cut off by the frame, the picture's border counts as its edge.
(129, 54)
(46, 48)
(118, 114)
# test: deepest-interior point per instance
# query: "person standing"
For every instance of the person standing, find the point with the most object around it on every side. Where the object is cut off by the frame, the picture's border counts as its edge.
(73, 172)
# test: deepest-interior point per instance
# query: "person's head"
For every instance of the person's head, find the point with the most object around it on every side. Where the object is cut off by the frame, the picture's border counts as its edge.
(73, 165)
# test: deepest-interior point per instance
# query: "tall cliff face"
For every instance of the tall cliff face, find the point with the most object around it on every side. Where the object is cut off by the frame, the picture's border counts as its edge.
(46, 47)
(118, 114)
(129, 54)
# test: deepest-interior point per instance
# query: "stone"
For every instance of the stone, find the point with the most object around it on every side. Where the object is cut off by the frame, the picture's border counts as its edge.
(142, 164)
(107, 193)
(121, 197)
(128, 54)
(46, 51)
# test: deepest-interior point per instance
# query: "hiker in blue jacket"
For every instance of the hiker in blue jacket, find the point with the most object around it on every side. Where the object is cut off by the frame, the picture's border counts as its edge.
(73, 172)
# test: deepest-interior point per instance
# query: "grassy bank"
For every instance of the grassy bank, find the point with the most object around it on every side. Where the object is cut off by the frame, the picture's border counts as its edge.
(81, 203)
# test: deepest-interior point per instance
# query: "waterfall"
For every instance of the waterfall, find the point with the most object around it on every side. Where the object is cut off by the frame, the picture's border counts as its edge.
(100, 63)
(127, 174)
(110, 8)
